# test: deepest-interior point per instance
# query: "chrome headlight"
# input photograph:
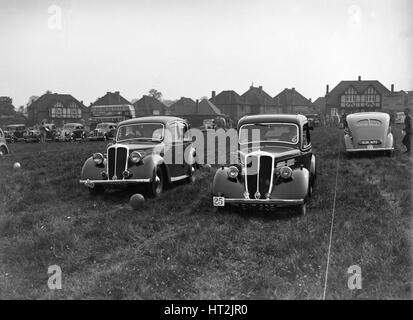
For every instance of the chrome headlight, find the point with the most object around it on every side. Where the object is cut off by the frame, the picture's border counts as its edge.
(135, 157)
(98, 158)
(233, 172)
(286, 172)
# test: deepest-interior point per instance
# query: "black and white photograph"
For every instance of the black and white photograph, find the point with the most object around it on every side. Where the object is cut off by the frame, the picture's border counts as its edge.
(206, 154)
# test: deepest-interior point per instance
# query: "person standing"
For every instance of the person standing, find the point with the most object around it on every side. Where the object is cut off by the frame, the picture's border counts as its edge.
(407, 139)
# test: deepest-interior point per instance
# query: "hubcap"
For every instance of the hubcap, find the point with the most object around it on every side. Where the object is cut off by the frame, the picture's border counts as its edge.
(158, 183)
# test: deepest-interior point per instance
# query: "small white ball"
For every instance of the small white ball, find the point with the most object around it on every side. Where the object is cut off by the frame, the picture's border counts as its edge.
(16, 166)
(136, 201)
(207, 167)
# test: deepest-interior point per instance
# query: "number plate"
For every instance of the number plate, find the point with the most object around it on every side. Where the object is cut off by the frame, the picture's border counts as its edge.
(369, 147)
(218, 201)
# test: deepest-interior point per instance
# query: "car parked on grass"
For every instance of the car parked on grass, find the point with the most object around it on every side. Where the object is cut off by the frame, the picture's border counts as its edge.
(276, 165)
(368, 132)
(71, 132)
(32, 135)
(103, 131)
(145, 151)
(3, 144)
(17, 130)
(8, 136)
(51, 131)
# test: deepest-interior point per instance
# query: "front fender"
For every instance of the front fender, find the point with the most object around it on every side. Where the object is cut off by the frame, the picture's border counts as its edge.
(91, 171)
(146, 168)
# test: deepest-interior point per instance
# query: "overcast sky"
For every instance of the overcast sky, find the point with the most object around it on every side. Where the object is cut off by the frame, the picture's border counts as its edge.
(190, 47)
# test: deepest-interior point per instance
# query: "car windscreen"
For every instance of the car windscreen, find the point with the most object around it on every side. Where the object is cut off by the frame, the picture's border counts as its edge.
(141, 131)
(69, 126)
(102, 126)
(269, 132)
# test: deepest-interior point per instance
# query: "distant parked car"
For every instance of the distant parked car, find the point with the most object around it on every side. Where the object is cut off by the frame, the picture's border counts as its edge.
(399, 119)
(103, 131)
(144, 152)
(71, 132)
(17, 130)
(32, 135)
(367, 132)
(313, 120)
(275, 168)
(9, 136)
(3, 144)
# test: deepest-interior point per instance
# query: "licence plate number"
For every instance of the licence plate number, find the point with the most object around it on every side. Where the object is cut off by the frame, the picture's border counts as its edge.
(369, 147)
(218, 201)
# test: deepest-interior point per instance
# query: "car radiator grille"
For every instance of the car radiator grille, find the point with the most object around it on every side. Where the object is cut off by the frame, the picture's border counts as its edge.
(117, 162)
(258, 179)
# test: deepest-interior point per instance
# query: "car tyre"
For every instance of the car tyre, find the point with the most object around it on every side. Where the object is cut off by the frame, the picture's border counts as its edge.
(302, 209)
(3, 151)
(192, 177)
(157, 184)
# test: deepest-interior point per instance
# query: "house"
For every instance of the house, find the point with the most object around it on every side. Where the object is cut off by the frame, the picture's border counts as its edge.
(148, 105)
(112, 107)
(58, 109)
(230, 103)
(395, 101)
(292, 102)
(319, 105)
(259, 102)
(351, 96)
(194, 111)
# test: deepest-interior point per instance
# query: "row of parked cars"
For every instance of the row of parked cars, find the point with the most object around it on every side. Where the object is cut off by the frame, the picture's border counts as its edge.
(69, 132)
(275, 168)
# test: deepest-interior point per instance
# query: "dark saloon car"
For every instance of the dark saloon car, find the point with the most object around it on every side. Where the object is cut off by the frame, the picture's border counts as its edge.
(32, 135)
(103, 131)
(152, 151)
(71, 132)
(276, 166)
(17, 130)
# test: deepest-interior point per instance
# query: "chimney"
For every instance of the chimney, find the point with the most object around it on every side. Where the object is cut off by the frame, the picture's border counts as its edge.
(213, 96)
(309, 100)
(392, 88)
(327, 89)
(293, 89)
(359, 78)
(260, 87)
(196, 106)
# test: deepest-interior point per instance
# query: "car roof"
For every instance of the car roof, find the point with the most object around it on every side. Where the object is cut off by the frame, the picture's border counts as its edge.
(161, 119)
(367, 115)
(293, 118)
(73, 123)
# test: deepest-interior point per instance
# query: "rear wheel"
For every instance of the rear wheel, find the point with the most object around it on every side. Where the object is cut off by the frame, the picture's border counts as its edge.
(157, 184)
(191, 178)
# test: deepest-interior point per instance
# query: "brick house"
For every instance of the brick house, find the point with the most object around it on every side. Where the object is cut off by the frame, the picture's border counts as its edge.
(148, 105)
(112, 107)
(58, 109)
(291, 101)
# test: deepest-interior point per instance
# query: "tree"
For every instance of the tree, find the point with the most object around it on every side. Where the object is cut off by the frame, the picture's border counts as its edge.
(6, 106)
(156, 94)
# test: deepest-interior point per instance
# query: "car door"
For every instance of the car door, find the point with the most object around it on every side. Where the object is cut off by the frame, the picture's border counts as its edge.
(306, 146)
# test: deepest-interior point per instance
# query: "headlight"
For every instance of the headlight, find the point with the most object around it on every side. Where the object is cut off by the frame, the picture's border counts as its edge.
(286, 172)
(233, 172)
(135, 157)
(98, 158)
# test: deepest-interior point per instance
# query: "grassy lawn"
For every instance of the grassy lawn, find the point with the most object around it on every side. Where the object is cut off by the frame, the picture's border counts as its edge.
(180, 247)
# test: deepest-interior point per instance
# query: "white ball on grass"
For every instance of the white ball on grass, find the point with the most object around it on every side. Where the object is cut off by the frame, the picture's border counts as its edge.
(207, 167)
(136, 201)
(16, 166)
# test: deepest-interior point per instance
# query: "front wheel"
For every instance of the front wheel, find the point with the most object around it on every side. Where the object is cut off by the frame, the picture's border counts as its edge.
(3, 151)
(302, 209)
(157, 183)
(191, 178)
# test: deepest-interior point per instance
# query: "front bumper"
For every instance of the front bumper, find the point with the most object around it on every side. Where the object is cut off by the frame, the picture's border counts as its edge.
(91, 183)
(272, 202)
(369, 150)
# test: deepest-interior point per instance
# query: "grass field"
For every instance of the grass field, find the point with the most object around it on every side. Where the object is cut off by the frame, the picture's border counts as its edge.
(180, 247)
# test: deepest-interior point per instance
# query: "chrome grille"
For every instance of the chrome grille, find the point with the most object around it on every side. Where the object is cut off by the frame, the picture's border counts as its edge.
(117, 162)
(259, 173)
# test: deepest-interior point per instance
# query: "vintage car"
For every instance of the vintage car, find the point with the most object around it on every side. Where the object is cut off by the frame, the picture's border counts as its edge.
(103, 131)
(71, 132)
(9, 136)
(3, 144)
(276, 166)
(151, 151)
(17, 130)
(368, 131)
(32, 135)
(313, 119)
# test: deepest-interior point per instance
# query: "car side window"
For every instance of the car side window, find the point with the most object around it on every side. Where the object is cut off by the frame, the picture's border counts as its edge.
(306, 136)
(187, 133)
